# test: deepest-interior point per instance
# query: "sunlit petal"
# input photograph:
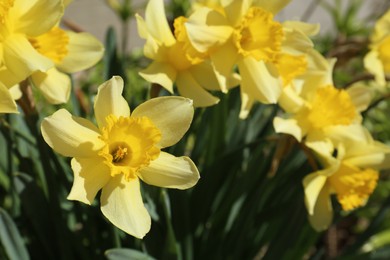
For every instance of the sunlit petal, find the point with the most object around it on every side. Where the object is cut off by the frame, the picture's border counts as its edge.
(288, 126)
(35, 17)
(169, 171)
(22, 59)
(109, 100)
(207, 28)
(71, 136)
(121, 203)
(84, 51)
(157, 23)
(171, 115)
(258, 81)
(160, 73)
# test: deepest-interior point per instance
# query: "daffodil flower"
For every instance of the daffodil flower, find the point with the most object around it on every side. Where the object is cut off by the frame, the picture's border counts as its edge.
(377, 60)
(21, 20)
(244, 33)
(175, 60)
(70, 52)
(321, 110)
(352, 175)
(124, 148)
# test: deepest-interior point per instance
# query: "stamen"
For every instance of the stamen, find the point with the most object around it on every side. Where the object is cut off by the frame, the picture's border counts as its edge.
(119, 154)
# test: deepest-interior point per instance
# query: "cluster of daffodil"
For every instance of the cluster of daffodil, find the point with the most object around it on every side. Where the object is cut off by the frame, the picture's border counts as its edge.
(222, 44)
(35, 48)
(124, 147)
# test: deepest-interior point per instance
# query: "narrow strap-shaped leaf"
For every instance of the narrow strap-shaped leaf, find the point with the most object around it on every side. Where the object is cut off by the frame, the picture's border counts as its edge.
(10, 238)
(125, 253)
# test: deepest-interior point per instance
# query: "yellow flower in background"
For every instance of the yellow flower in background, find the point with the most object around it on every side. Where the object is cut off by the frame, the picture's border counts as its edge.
(124, 148)
(323, 109)
(319, 73)
(352, 176)
(377, 60)
(175, 60)
(19, 21)
(269, 54)
(70, 52)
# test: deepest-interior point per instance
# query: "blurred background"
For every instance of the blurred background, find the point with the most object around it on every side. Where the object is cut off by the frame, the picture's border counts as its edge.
(94, 16)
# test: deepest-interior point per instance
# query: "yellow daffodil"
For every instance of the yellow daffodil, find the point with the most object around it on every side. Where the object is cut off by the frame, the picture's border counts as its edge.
(174, 58)
(269, 54)
(377, 60)
(352, 176)
(319, 73)
(7, 103)
(124, 148)
(322, 109)
(70, 52)
(21, 20)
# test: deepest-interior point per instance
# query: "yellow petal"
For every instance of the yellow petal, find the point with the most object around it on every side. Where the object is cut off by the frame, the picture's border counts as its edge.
(35, 17)
(84, 51)
(246, 104)
(307, 28)
(15, 92)
(71, 136)
(157, 23)
(90, 175)
(313, 184)
(258, 81)
(109, 100)
(235, 10)
(223, 60)
(373, 64)
(7, 104)
(323, 213)
(160, 73)
(295, 42)
(171, 115)
(10, 78)
(169, 171)
(207, 28)
(55, 86)
(22, 59)
(273, 6)
(204, 74)
(121, 203)
(190, 88)
(361, 96)
(288, 126)
(152, 48)
(290, 99)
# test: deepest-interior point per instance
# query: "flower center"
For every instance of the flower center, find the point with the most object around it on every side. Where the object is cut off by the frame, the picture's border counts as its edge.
(353, 186)
(5, 5)
(182, 54)
(290, 66)
(130, 144)
(384, 54)
(329, 107)
(258, 35)
(53, 44)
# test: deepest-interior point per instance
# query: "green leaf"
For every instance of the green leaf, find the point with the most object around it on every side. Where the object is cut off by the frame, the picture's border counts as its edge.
(11, 239)
(125, 254)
